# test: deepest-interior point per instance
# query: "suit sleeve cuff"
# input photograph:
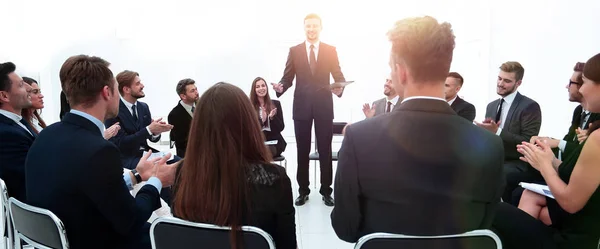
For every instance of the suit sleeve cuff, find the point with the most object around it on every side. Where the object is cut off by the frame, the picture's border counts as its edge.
(155, 182)
(562, 145)
(149, 132)
(499, 131)
(127, 179)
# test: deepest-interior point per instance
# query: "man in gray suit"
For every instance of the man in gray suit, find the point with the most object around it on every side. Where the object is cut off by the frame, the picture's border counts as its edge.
(515, 118)
(383, 105)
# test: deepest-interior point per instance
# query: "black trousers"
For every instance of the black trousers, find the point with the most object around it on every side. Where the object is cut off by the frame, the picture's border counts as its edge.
(324, 135)
(518, 229)
(516, 172)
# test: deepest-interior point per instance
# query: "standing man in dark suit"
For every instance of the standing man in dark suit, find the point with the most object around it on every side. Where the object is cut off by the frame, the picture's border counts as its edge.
(311, 63)
(387, 182)
(74, 172)
(454, 83)
(383, 105)
(515, 118)
(181, 115)
(135, 119)
(16, 135)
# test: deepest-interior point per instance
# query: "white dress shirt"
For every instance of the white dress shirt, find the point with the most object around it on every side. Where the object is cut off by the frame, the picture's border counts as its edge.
(421, 97)
(394, 101)
(316, 49)
(130, 108)
(14, 117)
(187, 107)
(452, 101)
(508, 100)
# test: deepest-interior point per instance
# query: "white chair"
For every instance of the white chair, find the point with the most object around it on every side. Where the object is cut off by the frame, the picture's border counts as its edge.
(477, 239)
(174, 233)
(6, 228)
(38, 227)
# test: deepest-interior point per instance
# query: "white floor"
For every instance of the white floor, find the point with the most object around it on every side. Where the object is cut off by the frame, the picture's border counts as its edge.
(313, 222)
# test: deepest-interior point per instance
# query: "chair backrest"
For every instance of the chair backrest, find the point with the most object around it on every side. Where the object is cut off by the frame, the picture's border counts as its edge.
(477, 239)
(168, 232)
(37, 226)
(6, 227)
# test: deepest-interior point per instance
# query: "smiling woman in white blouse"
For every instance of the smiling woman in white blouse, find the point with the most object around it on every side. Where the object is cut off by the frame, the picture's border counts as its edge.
(32, 114)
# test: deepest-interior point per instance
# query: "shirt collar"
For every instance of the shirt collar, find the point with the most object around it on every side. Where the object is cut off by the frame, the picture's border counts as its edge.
(394, 100)
(316, 44)
(510, 98)
(422, 97)
(91, 118)
(452, 101)
(11, 115)
(186, 106)
(129, 105)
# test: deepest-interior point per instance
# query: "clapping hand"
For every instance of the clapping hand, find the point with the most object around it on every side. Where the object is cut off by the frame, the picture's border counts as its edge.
(158, 126)
(537, 155)
(489, 125)
(368, 110)
(273, 113)
(112, 131)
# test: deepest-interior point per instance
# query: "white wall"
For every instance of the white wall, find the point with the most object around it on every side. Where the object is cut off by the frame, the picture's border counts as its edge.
(236, 40)
(548, 37)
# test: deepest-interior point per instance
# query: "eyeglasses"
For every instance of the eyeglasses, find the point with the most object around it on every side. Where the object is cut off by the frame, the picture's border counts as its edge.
(574, 83)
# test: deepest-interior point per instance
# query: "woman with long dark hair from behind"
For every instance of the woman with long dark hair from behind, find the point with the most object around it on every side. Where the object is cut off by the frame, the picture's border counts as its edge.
(226, 178)
(269, 115)
(32, 114)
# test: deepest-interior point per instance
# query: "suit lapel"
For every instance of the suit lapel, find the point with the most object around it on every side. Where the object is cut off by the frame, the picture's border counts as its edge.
(512, 109)
(128, 117)
(12, 123)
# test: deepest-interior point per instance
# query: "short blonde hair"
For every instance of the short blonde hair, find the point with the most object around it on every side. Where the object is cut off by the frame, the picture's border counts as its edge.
(425, 45)
(513, 67)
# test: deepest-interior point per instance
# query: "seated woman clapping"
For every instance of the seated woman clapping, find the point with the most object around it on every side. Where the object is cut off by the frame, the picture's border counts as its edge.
(226, 178)
(269, 114)
(572, 218)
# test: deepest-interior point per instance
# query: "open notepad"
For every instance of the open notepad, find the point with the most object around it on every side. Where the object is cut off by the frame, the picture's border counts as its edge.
(538, 188)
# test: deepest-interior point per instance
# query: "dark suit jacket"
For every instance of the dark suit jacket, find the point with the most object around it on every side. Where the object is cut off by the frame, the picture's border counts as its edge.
(571, 136)
(64, 105)
(312, 97)
(14, 144)
(464, 109)
(132, 135)
(407, 172)
(277, 126)
(523, 121)
(74, 172)
(181, 121)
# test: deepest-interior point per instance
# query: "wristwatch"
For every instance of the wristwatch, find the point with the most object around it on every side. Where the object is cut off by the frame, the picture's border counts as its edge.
(138, 177)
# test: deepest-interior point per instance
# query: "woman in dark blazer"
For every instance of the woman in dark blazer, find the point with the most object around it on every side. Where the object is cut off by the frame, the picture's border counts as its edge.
(226, 178)
(270, 115)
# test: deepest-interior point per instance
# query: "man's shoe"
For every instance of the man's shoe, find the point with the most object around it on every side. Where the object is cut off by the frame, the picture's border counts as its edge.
(301, 200)
(328, 200)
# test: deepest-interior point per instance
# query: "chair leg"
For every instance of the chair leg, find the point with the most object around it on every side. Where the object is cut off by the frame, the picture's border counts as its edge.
(315, 176)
